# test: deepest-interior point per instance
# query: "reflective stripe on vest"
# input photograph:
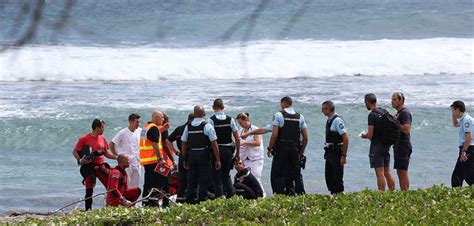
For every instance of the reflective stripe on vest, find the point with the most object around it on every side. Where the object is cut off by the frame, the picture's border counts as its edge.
(147, 154)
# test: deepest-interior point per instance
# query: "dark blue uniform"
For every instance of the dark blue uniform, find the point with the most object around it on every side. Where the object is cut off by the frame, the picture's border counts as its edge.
(285, 164)
(224, 131)
(198, 136)
(334, 171)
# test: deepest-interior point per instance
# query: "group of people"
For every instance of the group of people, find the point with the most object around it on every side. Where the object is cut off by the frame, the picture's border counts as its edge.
(208, 150)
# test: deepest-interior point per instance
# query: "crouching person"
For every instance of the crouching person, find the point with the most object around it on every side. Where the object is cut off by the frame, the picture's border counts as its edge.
(245, 183)
(118, 192)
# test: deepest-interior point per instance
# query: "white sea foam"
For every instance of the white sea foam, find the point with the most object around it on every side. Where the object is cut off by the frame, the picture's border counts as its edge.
(263, 59)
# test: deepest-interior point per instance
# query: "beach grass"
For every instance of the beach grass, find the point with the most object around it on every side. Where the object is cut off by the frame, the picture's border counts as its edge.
(433, 206)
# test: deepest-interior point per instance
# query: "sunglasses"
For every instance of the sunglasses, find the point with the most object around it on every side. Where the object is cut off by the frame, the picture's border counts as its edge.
(400, 96)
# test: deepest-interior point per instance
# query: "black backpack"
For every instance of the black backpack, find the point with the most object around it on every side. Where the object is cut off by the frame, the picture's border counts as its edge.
(390, 128)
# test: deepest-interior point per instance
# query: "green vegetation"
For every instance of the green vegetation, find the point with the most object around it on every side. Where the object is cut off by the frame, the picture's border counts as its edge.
(437, 205)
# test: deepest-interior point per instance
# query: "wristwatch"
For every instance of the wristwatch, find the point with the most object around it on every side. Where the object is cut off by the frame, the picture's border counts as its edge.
(79, 162)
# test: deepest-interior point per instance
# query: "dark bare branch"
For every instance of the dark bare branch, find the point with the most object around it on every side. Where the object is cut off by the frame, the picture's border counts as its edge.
(30, 33)
(65, 14)
(294, 19)
(248, 21)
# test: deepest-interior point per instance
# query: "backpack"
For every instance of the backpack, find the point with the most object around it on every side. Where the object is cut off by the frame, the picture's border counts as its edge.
(390, 128)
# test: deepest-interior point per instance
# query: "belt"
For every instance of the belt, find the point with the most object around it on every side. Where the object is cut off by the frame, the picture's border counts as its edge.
(198, 149)
(226, 145)
(330, 145)
(288, 141)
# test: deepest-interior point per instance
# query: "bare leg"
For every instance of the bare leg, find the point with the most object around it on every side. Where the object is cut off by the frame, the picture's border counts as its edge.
(379, 173)
(404, 180)
(389, 178)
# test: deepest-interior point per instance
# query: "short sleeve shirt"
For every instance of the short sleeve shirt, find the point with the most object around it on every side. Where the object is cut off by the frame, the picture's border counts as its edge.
(376, 145)
(465, 126)
(280, 120)
(337, 125)
(95, 143)
(153, 134)
(404, 117)
(176, 135)
(222, 116)
(209, 130)
(375, 121)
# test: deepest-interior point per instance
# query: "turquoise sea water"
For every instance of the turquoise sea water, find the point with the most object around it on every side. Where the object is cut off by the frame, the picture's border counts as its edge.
(41, 122)
(113, 58)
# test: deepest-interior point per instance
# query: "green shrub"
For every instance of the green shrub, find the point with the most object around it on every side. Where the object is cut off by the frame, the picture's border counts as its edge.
(436, 205)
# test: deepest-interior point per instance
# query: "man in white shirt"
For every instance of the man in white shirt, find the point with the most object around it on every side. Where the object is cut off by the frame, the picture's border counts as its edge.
(126, 142)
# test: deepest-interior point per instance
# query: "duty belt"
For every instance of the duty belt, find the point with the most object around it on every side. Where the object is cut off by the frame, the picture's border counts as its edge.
(226, 145)
(288, 141)
(331, 145)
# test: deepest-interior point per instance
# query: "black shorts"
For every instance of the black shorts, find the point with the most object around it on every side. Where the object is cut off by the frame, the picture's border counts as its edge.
(401, 153)
(380, 160)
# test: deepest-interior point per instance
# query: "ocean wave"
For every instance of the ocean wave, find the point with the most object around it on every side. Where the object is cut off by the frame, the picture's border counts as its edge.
(255, 60)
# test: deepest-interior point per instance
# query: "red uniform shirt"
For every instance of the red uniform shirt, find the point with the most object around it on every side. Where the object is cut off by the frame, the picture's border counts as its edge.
(96, 143)
(117, 186)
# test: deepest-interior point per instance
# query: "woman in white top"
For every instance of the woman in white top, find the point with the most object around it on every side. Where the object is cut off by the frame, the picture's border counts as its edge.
(251, 148)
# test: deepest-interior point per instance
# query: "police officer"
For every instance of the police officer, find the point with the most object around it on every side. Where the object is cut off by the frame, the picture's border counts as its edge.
(335, 151)
(285, 147)
(299, 183)
(464, 169)
(197, 141)
(226, 128)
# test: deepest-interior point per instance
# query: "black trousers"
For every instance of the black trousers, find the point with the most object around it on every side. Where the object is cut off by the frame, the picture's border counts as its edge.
(334, 171)
(285, 166)
(199, 174)
(464, 170)
(247, 193)
(221, 180)
(299, 185)
(183, 177)
(152, 180)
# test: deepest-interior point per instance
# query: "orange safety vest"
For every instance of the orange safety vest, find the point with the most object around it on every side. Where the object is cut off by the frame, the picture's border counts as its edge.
(147, 155)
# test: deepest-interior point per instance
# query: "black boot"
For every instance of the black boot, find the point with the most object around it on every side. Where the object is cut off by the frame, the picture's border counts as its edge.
(89, 192)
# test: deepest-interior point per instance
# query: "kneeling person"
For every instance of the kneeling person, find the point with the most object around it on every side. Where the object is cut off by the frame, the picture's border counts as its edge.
(245, 182)
(118, 192)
